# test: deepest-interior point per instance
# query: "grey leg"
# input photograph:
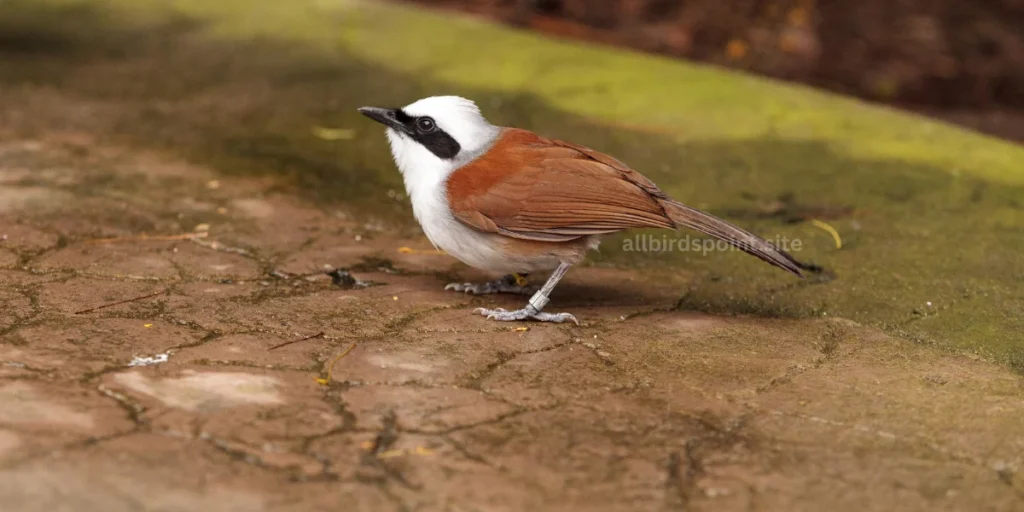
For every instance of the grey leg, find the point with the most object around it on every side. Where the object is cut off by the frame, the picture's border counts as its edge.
(533, 308)
(512, 283)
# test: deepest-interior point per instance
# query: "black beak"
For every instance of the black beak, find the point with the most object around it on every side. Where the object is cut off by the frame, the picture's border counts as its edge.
(385, 116)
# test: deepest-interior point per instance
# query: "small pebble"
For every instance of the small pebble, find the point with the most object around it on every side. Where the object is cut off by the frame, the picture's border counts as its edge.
(343, 279)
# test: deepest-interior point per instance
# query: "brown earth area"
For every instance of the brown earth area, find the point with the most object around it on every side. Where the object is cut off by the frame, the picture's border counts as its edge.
(137, 373)
(957, 60)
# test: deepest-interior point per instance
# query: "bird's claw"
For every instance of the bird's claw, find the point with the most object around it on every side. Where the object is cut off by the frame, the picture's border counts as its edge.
(502, 315)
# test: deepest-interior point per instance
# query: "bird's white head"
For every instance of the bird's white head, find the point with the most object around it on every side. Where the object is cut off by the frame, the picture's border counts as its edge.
(435, 135)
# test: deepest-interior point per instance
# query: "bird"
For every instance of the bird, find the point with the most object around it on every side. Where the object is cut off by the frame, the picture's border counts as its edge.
(509, 201)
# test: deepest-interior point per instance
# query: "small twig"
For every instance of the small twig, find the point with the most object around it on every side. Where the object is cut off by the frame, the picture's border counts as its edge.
(186, 236)
(280, 275)
(217, 246)
(285, 344)
(330, 368)
(118, 303)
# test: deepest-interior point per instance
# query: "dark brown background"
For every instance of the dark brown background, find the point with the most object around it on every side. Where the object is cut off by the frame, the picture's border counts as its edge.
(962, 60)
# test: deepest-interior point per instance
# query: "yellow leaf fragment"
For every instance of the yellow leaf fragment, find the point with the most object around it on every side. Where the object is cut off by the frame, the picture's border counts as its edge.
(520, 280)
(410, 250)
(831, 230)
(321, 132)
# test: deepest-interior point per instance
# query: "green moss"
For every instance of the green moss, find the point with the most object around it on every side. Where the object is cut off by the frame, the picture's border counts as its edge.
(619, 87)
(927, 213)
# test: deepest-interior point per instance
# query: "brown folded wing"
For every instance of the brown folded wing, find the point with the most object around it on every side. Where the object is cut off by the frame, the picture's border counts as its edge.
(538, 189)
(533, 188)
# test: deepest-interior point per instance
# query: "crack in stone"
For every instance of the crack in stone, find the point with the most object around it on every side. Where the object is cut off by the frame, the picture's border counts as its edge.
(223, 363)
(465, 452)
(520, 411)
(134, 409)
(90, 376)
(386, 437)
(793, 372)
(476, 378)
(208, 337)
(246, 454)
(99, 276)
(682, 472)
(69, 447)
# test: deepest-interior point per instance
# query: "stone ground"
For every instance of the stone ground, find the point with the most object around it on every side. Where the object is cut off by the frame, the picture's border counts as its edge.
(139, 373)
(171, 340)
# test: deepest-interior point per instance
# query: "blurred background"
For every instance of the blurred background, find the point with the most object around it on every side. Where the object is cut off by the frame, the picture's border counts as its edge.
(961, 60)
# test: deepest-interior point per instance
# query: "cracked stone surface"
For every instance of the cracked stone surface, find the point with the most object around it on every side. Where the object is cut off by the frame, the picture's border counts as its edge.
(644, 407)
(170, 339)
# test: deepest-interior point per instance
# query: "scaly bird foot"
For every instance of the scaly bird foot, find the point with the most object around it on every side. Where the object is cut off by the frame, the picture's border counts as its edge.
(512, 283)
(526, 313)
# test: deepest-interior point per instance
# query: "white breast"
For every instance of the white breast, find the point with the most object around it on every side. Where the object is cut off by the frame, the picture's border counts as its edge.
(425, 177)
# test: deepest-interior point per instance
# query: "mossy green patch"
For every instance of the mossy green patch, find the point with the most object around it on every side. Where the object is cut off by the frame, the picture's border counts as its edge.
(931, 217)
(616, 86)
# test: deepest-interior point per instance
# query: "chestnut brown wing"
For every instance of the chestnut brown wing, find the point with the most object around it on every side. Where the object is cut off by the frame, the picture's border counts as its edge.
(530, 187)
(555, 192)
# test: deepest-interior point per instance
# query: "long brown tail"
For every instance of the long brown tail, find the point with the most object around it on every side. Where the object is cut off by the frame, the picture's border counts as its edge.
(750, 243)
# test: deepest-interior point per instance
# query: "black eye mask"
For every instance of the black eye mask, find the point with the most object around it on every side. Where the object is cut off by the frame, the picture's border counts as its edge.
(435, 139)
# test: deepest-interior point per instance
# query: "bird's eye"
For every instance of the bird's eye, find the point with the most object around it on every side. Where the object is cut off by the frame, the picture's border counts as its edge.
(425, 124)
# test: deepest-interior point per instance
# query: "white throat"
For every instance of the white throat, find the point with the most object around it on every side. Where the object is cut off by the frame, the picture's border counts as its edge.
(425, 176)
(425, 173)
